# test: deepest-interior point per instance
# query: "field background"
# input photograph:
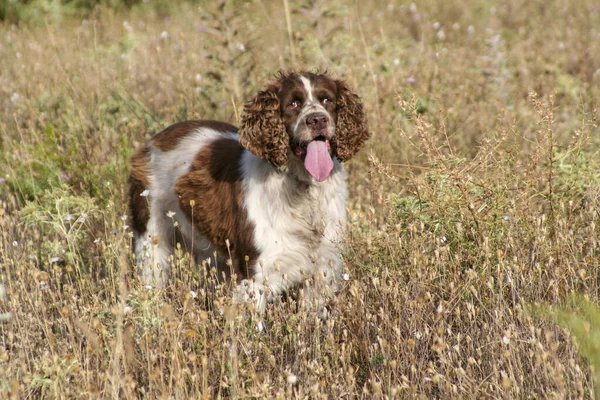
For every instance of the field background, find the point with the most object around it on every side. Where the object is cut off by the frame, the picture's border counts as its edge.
(476, 199)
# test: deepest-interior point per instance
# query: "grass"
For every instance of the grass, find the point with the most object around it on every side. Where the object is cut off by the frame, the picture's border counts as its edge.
(476, 201)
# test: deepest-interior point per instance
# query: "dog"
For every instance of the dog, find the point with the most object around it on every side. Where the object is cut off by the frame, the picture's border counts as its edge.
(267, 199)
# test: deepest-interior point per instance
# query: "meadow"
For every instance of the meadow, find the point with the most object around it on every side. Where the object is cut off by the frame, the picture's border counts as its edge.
(472, 249)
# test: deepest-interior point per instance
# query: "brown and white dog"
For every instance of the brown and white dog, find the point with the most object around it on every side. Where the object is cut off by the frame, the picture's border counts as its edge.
(272, 195)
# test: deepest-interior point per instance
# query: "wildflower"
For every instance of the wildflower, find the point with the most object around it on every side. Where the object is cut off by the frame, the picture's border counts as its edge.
(82, 219)
(164, 35)
(148, 287)
(123, 217)
(260, 327)
(223, 104)
(410, 80)
(15, 243)
(127, 27)
(346, 277)
(97, 240)
(127, 309)
(15, 97)
(441, 35)
(54, 260)
(124, 227)
(170, 214)
(193, 294)
(2, 180)
(505, 339)
(470, 30)
(44, 286)
(67, 217)
(145, 193)
(436, 25)
(292, 379)
(396, 62)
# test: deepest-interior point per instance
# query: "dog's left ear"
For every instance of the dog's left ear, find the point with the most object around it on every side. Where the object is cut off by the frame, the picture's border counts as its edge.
(262, 132)
(351, 128)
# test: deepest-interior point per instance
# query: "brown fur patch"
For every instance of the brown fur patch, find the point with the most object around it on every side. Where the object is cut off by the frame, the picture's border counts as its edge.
(214, 184)
(138, 182)
(351, 129)
(169, 138)
(262, 132)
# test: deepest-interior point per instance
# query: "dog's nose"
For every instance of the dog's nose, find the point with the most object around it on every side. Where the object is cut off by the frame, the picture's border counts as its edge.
(316, 121)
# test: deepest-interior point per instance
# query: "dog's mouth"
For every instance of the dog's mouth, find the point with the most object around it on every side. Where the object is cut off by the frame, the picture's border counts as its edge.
(300, 149)
(317, 157)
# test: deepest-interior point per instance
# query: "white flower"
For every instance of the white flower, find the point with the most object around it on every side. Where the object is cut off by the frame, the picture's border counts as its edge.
(292, 379)
(127, 27)
(67, 217)
(193, 294)
(346, 277)
(170, 214)
(15, 243)
(125, 227)
(505, 340)
(127, 309)
(148, 287)
(97, 240)
(145, 193)
(15, 97)
(54, 260)
(260, 326)
(164, 35)
(123, 217)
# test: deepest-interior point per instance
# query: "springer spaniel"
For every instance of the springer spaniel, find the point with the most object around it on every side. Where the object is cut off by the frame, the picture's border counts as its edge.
(270, 197)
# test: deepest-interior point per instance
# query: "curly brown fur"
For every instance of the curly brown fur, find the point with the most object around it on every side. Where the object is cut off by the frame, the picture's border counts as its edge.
(261, 131)
(351, 128)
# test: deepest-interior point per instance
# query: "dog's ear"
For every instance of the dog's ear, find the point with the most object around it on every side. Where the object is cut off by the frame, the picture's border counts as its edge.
(262, 132)
(351, 128)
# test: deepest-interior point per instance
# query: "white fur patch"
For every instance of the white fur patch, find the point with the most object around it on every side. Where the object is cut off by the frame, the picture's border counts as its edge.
(297, 231)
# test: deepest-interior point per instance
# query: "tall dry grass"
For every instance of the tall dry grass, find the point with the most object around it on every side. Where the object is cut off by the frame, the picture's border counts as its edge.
(476, 199)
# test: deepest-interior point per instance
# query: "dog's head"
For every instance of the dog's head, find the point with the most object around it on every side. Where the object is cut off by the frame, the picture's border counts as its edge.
(307, 116)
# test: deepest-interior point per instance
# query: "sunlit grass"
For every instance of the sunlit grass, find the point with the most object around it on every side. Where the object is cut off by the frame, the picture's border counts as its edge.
(477, 196)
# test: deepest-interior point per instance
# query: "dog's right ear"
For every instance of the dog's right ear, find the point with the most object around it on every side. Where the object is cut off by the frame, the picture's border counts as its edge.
(262, 132)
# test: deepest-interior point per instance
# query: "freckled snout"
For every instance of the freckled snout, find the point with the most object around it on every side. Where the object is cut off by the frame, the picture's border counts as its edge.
(317, 122)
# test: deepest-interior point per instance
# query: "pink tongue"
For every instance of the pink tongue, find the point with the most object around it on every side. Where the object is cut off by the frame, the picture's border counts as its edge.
(318, 161)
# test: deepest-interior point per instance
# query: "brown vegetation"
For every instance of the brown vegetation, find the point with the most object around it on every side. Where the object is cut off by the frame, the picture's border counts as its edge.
(477, 196)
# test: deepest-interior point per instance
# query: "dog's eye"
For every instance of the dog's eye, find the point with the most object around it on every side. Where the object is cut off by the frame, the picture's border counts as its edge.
(294, 104)
(326, 101)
